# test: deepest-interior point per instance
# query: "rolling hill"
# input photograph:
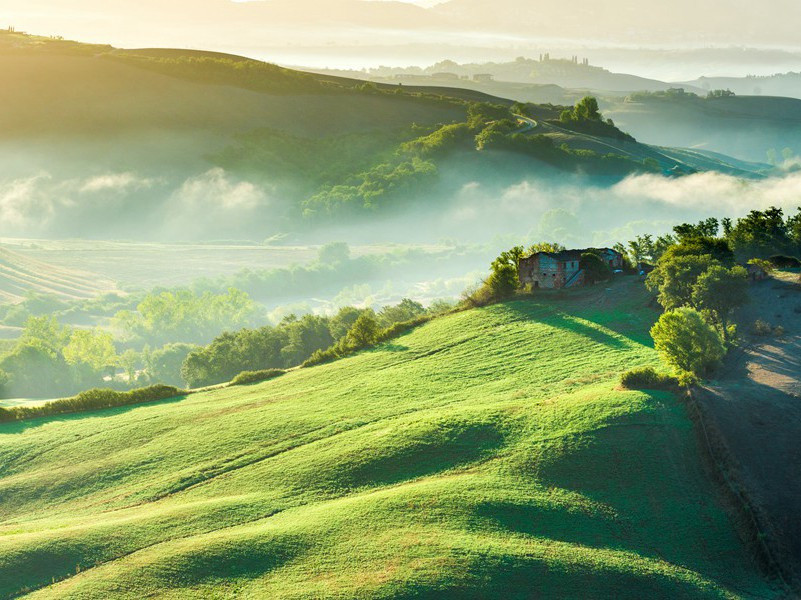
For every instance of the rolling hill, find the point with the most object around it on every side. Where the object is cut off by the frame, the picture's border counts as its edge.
(156, 144)
(743, 126)
(425, 468)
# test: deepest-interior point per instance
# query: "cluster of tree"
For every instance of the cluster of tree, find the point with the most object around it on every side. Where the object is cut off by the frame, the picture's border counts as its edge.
(700, 287)
(767, 234)
(293, 341)
(50, 359)
(412, 165)
(677, 95)
(586, 117)
(187, 316)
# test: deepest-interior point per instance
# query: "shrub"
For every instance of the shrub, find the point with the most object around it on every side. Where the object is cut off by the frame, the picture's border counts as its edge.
(250, 377)
(762, 328)
(687, 343)
(647, 378)
(96, 399)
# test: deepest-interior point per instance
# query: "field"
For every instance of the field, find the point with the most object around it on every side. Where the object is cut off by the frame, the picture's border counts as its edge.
(429, 467)
(21, 275)
(144, 265)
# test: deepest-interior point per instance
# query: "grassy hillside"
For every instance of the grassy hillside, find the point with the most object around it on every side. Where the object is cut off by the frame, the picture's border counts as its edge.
(429, 467)
(743, 126)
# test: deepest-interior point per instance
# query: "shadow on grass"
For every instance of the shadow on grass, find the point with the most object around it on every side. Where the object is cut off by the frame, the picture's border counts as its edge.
(488, 576)
(15, 427)
(564, 320)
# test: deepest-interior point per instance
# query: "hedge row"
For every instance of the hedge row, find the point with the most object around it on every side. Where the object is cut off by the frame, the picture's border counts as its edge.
(647, 378)
(249, 377)
(96, 399)
(343, 348)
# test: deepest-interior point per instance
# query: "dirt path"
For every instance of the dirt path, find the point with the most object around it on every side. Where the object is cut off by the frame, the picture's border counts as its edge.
(755, 406)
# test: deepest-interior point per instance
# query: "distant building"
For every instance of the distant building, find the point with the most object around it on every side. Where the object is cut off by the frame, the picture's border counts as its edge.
(558, 270)
(445, 75)
(483, 78)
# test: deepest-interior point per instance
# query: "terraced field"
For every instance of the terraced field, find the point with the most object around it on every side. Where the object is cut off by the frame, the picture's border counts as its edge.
(487, 454)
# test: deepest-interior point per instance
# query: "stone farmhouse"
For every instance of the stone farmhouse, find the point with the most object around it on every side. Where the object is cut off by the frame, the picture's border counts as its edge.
(557, 270)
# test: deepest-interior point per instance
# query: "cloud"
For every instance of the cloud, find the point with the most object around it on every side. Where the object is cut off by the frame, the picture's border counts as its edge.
(114, 182)
(715, 193)
(24, 202)
(215, 191)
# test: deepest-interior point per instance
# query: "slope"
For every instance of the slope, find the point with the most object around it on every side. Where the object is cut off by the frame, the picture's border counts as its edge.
(742, 126)
(486, 454)
(21, 275)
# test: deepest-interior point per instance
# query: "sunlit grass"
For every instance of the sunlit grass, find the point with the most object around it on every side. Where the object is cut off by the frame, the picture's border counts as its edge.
(488, 454)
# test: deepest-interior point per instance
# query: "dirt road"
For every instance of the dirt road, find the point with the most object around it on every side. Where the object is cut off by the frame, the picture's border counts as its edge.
(755, 406)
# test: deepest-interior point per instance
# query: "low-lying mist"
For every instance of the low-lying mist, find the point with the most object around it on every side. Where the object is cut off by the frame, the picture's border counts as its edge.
(468, 206)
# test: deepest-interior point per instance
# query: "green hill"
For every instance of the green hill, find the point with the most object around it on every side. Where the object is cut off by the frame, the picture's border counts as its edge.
(430, 467)
(154, 129)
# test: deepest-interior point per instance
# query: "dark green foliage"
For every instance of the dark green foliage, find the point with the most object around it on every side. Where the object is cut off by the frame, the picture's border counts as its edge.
(718, 292)
(761, 234)
(442, 141)
(231, 353)
(481, 113)
(595, 268)
(647, 378)
(341, 323)
(674, 278)
(96, 399)
(164, 365)
(367, 334)
(373, 189)
(306, 336)
(295, 341)
(251, 377)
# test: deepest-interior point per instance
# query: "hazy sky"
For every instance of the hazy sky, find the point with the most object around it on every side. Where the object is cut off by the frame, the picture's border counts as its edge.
(354, 33)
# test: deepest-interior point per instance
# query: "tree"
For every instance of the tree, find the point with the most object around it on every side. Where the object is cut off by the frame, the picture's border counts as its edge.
(406, 310)
(718, 292)
(504, 278)
(94, 349)
(37, 372)
(364, 331)
(340, 324)
(166, 363)
(333, 253)
(674, 279)
(585, 109)
(46, 332)
(306, 336)
(687, 343)
(552, 247)
(129, 361)
(595, 268)
(761, 234)
(703, 229)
